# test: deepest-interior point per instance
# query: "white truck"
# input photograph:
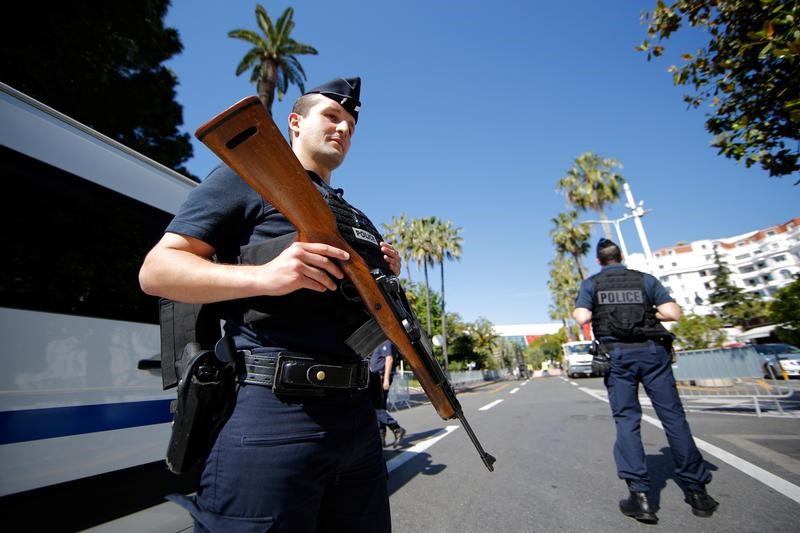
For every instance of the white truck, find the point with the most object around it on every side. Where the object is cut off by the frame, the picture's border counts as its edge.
(577, 358)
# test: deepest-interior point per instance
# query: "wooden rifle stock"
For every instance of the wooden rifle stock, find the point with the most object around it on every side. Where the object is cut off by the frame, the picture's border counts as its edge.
(245, 137)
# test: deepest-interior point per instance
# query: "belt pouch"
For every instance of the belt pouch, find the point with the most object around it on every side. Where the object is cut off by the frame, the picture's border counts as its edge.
(291, 377)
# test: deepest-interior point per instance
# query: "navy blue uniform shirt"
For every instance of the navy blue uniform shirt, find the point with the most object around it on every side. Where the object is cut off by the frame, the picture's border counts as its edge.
(226, 213)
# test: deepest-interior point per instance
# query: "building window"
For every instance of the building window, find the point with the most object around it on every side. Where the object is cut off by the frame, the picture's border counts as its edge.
(741, 243)
(770, 233)
(707, 285)
(775, 245)
(767, 278)
(702, 246)
(686, 301)
(779, 258)
(751, 282)
(745, 269)
(761, 264)
(664, 279)
(661, 267)
(674, 264)
(785, 274)
(743, 256)
(678, 276)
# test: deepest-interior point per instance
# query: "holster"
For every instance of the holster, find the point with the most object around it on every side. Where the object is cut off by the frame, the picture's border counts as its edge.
(206, 397)
(601, 362)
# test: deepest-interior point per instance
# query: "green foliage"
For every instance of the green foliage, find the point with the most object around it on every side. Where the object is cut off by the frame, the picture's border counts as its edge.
(785, 311)
(511, 353)
(737, 307)
(563, 284)
(571, 237)
(398, 234)
(591, 184)
(695, 332)
(273, 57)
(484, 339)
(749, 72)
(546, 348)
(101, 63)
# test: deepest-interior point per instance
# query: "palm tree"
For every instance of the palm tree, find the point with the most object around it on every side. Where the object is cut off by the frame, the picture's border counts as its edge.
(447, 240)
(398, 234)
(563, 285)
(571, 238)
(422, 235)
(272, 57)
(592, 184)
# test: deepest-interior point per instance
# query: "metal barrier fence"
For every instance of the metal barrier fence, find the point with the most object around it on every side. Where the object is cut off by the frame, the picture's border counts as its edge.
(400, 395)
(726, 373)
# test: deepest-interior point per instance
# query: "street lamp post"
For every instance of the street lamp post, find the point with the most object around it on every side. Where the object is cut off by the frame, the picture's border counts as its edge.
(616, 227)
(636, 213)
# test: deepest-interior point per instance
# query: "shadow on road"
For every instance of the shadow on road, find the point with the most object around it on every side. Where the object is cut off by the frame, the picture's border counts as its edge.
(661, 468)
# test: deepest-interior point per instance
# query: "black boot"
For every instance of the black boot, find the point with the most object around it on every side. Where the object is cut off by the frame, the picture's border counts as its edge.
(702, 504)
(399, 433)
(638, 506)
(383, 436)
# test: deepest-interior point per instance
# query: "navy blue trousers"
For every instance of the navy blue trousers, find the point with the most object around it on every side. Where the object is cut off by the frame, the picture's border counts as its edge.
(652, 367)
(292, 466)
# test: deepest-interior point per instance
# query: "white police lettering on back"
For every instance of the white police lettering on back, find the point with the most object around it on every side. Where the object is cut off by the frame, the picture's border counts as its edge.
(620, 297)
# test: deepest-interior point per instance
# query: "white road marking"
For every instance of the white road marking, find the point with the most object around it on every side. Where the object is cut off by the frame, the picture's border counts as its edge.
(489, 405)
(406, 455)
(512, 391)
(790, 490)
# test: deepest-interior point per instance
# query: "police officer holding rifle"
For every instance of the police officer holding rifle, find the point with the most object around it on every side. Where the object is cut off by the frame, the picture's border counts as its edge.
(300, 451)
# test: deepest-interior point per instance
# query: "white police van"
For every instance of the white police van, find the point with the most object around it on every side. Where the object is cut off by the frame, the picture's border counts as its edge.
(85, 422)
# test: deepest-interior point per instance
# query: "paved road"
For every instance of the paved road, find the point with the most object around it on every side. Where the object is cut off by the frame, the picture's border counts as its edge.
(553, 439)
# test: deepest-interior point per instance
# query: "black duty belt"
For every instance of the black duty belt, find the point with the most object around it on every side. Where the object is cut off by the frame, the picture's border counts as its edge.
(301, 374)
(645, 344)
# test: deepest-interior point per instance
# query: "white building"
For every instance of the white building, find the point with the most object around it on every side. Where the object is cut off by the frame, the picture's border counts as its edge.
(760, 262)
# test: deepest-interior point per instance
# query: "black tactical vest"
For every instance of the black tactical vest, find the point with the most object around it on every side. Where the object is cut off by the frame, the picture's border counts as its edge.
(341, 307)
(621, 308)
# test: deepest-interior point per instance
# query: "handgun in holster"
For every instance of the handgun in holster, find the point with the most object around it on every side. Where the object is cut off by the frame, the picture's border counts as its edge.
(204, 367)
(601, 362)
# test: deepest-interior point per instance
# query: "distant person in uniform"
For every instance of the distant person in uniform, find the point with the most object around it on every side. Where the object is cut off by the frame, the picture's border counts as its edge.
(300, 453)
(382, 365)
(626, 308)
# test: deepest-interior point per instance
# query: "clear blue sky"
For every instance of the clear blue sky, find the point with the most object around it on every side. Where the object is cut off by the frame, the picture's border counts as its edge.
(473, 110)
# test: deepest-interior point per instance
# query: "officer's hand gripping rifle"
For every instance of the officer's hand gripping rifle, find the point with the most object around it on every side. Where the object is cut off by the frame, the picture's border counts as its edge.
(246, 138)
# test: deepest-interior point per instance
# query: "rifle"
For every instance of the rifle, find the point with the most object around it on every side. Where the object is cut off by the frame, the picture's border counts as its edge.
(246, 138)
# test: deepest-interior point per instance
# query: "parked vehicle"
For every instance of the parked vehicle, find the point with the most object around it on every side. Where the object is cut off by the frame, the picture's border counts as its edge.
(778, 358)
(84, 420)
(578, 358)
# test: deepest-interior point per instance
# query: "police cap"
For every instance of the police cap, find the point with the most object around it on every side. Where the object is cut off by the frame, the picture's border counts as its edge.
(345, 91)
(604, 243)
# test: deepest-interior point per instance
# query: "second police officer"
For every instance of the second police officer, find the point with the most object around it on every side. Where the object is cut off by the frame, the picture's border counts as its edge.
(625, 308)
